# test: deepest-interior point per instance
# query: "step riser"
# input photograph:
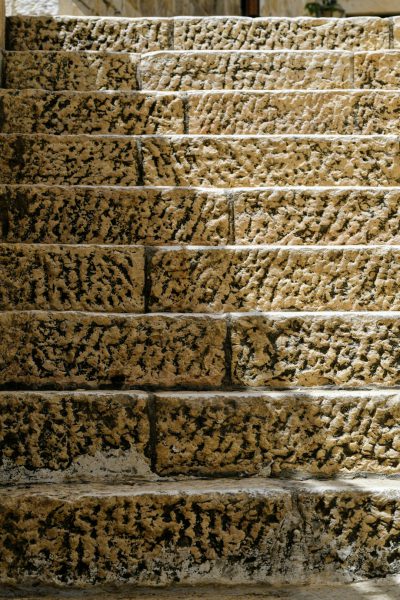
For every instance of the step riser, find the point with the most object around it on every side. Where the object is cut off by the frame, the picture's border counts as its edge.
(144, 35)
(156, 217)
(270, 534)
(197, 161)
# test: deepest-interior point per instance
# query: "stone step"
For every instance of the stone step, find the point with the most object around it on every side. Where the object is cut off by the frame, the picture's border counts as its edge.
(57, 277)
(114, 435)
(69, 350)
(267, 278)
(207, 532)
(226, 33)
(205, 161)
(157, 216)
(150, 216)
(218, 112)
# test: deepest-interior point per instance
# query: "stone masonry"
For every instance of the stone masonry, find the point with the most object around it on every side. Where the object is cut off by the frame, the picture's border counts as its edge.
(199, 302)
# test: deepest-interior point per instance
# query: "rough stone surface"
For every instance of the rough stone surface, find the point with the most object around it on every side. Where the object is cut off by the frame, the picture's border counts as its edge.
(53, 159)
(99, 34)
(281, 433)
(112, 216)
(70, 71)
(85, 350)
(53, 436)
(272, 112)
(224, 531)
(232, 279)
(266, 161)
(377, 70)
(245, 69)
(348, 350)
(121, 113)
(274, 34)
(55, 277)
(315, 216)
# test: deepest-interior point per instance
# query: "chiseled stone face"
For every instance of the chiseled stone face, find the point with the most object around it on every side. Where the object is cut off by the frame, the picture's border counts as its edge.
(54, 277)
(86, 436)
(78, 71)
(284, 433)
(68, 350)
(377, 69)
(74, 215)
(72, 160)
(313, 216)
(233, 279)
(100, 34)
(123, 113)
(239, 70)
(275, 34)
(266, 161)
(316, 350)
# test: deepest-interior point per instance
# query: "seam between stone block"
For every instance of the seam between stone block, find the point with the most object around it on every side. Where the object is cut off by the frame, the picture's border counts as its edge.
(391, 33)
(152, 417)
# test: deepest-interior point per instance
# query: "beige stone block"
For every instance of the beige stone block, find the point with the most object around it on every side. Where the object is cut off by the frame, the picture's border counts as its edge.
(278, 433)
(74, 215)
(64, 350)
(55, 277)
(79, 159)
(122, 113)
(376, 112)
(347, 350)
(237, 279)
(245, 69)
(377, 69)
(268, 161)
(315, 216)
(54, 436)
(100, 34)
(237, 33)
(79, 71)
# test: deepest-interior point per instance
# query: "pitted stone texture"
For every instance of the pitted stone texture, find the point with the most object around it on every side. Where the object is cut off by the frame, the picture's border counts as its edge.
(112, 216)
(280, 33)
(54, 436)
(70, 71)
(85, 350)
(296, 433)
(121, 113)
(233, 279)
(245, 69)
(316, 350)
(377, 69)
(70, 33)
(72, 160)
(265, 161)
(54, 277)
(376, 111)
(225, 532)
(313, 216)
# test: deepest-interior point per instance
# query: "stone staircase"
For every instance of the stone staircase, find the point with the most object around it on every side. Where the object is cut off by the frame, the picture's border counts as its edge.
(200, 326)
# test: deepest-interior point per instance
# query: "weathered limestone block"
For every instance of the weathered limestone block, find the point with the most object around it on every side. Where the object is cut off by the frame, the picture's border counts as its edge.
(396, 32)
(29, 111)
(278, 433)
(72, 160)
(347, 350)
(265, 161)
(238, 70)
(78, 71)
(242, 279)
(377, 69)
(85, 350)
(376, 111)
(223, 531)
(112, 216)
(71, 33)
(54, 277)
(273, 34)
(54, 436)
(315, 216)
